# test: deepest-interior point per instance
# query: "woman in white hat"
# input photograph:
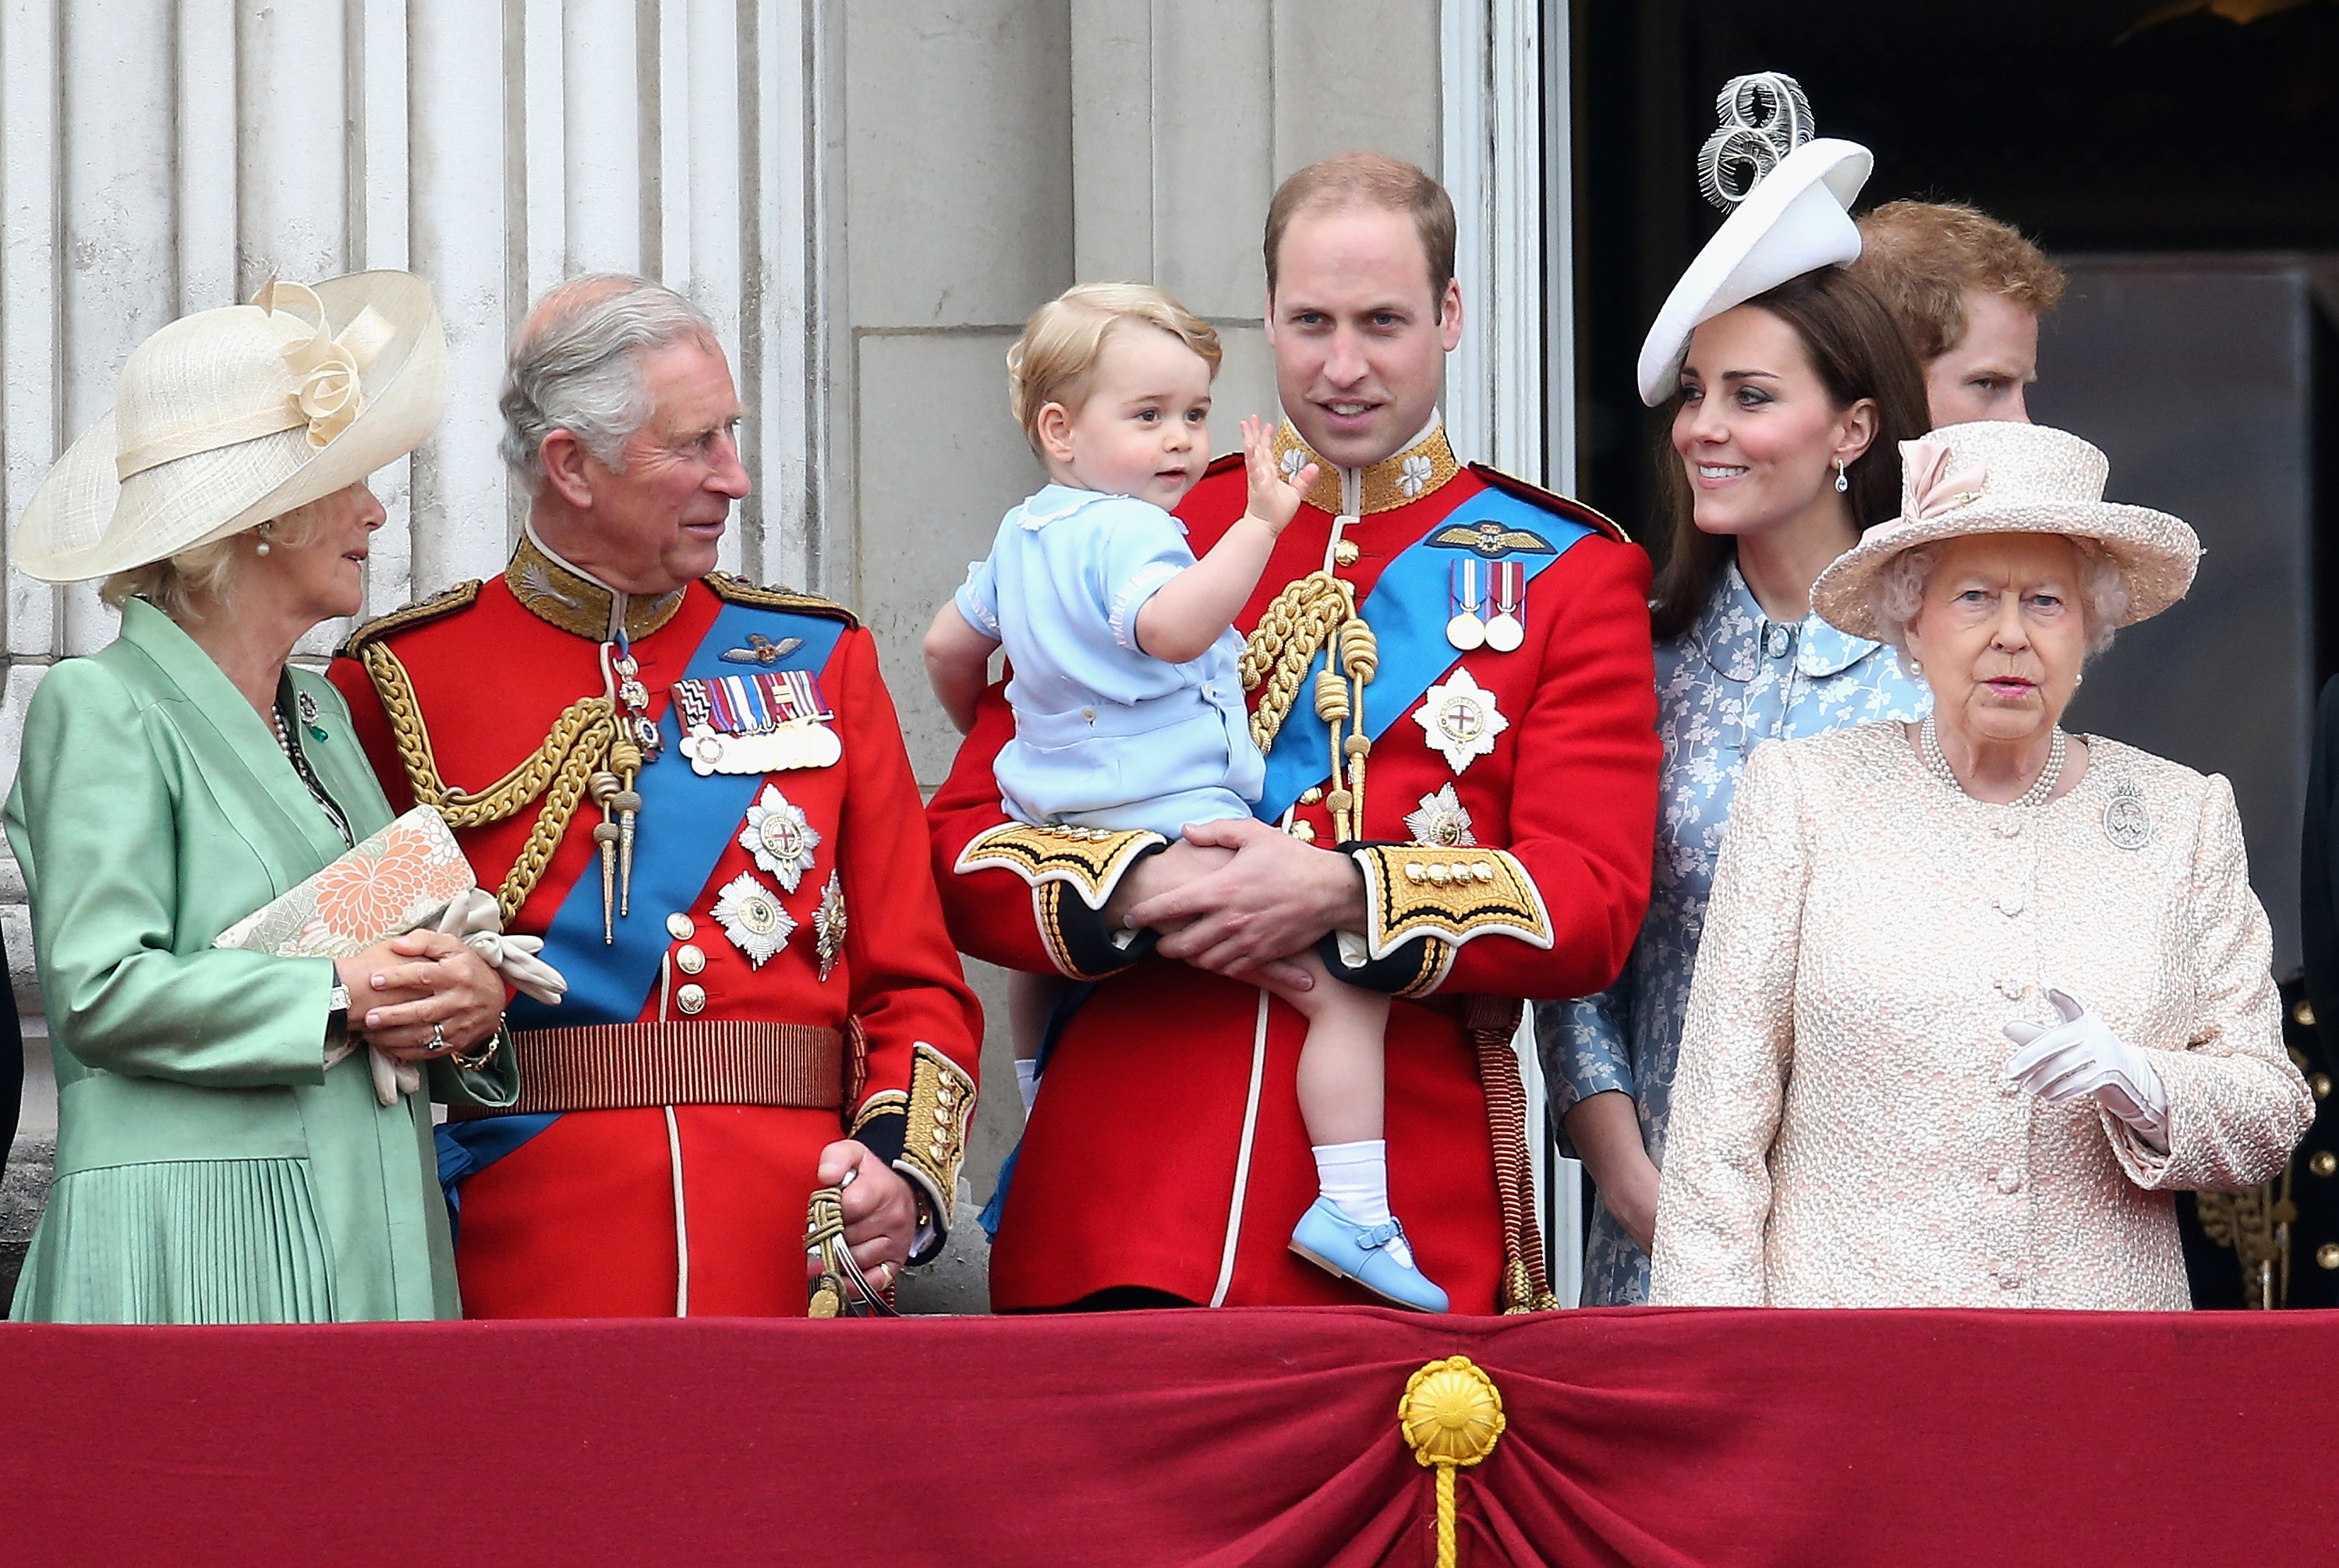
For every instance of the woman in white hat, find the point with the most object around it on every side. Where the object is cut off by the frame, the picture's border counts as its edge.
(1791, 389)
(212, 1167)
(1975, 997)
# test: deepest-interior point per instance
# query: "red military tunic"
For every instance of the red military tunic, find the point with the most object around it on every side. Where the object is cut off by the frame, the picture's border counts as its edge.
(686, 1126)
(1167, 1151)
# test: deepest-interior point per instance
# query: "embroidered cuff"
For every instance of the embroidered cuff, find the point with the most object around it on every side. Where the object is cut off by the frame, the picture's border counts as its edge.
(922, 1135)
(1455, 894)
(1414, 968)
(1088, 861)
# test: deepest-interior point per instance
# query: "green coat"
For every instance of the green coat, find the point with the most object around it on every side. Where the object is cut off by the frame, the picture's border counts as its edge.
(210, 1169)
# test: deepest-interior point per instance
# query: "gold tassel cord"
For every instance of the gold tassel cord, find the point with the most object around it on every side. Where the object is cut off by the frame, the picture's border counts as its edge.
(1452, 1417)
(1317, 614)
(557, 771)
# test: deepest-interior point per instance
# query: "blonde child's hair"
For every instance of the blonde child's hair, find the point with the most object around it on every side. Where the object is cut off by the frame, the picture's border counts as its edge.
(1053, 361)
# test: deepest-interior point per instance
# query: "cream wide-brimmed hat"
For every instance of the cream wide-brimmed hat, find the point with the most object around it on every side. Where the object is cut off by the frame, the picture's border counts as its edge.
(1793, 217)
(228, 418)
(1999, 478)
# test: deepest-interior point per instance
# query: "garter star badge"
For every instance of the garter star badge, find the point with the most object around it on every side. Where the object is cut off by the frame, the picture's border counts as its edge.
(751, 916)
(780, 838)
(1459, 717)
(828, 923)
(1442, 820)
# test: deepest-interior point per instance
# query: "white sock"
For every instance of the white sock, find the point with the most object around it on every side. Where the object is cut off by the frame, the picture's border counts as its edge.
(1027, 1082)
(1355, 1177)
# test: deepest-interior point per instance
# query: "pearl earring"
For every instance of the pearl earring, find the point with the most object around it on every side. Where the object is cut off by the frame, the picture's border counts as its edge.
(261, 548)
(1841, 484)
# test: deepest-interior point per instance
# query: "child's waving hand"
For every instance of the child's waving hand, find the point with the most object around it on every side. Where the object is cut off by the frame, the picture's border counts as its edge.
(1273, 498)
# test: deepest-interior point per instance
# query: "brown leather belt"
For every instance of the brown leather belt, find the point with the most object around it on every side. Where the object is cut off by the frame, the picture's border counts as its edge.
(687, 1061)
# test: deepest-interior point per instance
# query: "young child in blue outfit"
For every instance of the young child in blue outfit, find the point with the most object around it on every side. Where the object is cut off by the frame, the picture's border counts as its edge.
(1128, 704)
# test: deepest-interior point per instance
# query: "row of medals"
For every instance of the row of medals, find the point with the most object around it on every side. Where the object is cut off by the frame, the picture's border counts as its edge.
(1471, 628)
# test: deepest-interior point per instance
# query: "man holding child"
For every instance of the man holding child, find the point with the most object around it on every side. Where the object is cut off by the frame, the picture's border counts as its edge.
(1448, 674)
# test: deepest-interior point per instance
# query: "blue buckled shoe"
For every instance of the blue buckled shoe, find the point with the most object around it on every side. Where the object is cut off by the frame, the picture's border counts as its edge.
(1333, 1242)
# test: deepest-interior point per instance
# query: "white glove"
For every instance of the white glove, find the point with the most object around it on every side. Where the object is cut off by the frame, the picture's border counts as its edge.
(472, 918)
(2083, 1056)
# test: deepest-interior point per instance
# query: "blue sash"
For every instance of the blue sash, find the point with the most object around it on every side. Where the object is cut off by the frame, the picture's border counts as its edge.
(686, 822)
(1408, 609)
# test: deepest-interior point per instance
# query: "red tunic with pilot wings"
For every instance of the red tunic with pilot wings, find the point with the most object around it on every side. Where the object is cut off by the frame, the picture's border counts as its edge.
(1167, 1151)
(686, 1085)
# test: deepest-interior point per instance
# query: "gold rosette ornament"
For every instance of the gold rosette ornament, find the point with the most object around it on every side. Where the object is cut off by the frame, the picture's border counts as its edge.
(1452, 1415)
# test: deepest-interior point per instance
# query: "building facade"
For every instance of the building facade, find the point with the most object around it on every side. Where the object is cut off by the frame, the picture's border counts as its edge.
(867, 198)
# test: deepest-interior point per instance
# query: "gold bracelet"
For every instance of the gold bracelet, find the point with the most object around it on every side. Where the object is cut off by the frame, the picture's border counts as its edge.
(475, 1059)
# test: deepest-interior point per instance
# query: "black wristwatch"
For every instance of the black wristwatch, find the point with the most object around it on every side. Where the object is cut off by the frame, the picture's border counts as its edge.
(337, 1019)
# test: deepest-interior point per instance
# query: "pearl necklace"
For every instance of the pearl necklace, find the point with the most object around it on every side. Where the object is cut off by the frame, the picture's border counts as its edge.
(325, 803)
(1928, 743)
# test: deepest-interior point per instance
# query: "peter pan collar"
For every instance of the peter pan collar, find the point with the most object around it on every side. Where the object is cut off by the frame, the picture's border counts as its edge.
(1053, 503)
(1735, 637)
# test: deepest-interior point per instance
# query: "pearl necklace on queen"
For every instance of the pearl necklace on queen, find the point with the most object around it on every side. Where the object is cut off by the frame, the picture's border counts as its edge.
(1929, 744)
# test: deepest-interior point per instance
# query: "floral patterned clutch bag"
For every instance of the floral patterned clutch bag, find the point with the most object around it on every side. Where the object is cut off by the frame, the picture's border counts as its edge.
(386, 885)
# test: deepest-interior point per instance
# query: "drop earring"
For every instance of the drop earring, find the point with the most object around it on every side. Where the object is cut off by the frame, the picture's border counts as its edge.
(1841, 483)
(261, 548)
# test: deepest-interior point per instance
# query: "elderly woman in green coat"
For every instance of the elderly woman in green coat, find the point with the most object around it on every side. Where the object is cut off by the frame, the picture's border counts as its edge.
(223, 1155)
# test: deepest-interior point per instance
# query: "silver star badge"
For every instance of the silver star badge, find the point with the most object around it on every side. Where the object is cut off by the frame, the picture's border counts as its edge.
(751, 916)
(1459, 718)
(828, 924)
(780, 837)
(1443, 819)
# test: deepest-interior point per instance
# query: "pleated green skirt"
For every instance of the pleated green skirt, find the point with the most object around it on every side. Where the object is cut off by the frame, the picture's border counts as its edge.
(192, 1241)
(355, 1231)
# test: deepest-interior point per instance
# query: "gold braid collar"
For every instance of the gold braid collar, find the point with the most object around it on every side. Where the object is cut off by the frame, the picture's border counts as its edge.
(1394, 481)
(558, 771)
(1312, 616)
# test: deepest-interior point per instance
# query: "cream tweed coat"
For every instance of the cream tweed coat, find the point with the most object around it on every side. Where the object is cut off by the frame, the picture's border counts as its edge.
(1841, 1132)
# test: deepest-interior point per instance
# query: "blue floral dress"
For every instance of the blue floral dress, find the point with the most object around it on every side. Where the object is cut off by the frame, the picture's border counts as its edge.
(1733, 680)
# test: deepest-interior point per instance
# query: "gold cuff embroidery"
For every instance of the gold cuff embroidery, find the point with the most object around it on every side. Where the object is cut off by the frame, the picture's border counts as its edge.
(1089, 859)
(1454, 895)
(941, 1108)
(1436, 963)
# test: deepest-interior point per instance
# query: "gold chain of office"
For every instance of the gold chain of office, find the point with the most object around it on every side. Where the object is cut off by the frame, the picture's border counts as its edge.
(579, 746)
(1312, 616)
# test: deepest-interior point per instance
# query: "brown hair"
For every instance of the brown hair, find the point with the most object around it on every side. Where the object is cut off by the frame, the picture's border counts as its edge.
(1921, 257)
(1858, 353)
(1369, 180)
(1053, 361)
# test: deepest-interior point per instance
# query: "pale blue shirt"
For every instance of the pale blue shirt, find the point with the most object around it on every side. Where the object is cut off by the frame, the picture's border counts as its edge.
(1106, 735)
(1734, 680)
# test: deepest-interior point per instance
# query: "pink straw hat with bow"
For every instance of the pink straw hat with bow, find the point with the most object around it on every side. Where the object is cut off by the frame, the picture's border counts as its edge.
(2001, 478)
(228, 418)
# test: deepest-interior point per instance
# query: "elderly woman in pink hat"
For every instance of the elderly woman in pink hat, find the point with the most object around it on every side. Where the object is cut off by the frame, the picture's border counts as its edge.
(1977, 997)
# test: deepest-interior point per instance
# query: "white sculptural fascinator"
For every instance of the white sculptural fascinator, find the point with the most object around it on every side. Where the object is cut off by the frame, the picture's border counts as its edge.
(1789, 195)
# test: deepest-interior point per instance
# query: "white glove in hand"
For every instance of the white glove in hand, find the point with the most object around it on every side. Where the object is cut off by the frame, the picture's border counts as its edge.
(2083, 1056)
(472, 918)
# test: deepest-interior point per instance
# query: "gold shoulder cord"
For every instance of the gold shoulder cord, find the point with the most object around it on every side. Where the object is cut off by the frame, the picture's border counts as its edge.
(1317, 611)
(578, 747)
